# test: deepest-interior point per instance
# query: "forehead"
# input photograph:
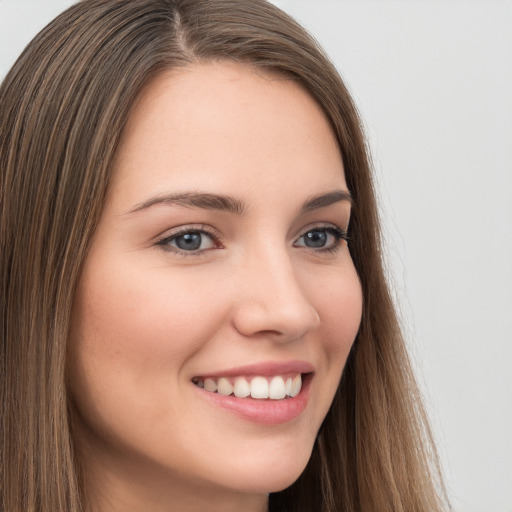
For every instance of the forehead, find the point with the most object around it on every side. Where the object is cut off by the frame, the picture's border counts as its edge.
(230, 128)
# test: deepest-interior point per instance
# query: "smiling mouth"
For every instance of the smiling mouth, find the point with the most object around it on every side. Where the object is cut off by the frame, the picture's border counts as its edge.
(278, 387)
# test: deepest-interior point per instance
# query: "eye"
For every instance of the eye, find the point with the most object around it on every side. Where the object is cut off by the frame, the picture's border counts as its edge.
(189, 241)
(322, 238)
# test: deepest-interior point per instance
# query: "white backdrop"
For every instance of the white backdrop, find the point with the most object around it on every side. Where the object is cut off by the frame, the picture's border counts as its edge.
(433, 81)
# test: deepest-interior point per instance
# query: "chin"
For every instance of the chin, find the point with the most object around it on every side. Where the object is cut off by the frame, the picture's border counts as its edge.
(274, 473)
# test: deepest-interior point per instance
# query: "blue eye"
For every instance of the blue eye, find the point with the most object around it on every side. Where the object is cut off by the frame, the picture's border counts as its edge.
(326, 239)
(191, 240)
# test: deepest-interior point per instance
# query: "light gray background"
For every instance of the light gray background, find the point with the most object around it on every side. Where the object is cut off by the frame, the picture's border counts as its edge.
(433, 81)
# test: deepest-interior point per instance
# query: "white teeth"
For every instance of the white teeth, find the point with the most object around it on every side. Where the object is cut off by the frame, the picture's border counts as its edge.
(210, 385)
(296, 386)
(289, 382)
(277, 388)
(259, 387)
(224, 387)
(241, 388)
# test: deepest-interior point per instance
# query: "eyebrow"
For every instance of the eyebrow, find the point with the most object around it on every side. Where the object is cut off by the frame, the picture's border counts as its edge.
(323, 200)
(232, 205)
(195, 200)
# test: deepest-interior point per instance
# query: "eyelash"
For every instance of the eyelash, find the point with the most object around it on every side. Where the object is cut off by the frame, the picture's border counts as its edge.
(339, 234)
(216, 237)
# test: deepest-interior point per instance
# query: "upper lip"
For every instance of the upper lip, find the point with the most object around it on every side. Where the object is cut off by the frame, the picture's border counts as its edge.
(264, 369)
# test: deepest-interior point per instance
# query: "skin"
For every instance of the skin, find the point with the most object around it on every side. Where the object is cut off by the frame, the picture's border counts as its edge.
(149, 317)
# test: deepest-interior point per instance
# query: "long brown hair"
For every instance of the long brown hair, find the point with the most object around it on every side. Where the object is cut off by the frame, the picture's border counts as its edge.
(63, 107)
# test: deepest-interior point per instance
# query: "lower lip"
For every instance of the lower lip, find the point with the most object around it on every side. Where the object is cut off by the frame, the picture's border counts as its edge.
(266, 412)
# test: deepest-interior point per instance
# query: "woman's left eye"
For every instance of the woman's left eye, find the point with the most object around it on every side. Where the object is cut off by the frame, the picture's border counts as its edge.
(322, 238)
(190, 241)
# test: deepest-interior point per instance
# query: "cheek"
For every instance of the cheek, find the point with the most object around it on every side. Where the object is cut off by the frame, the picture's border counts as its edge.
(141, 312)
(340, 308)
(133, 332)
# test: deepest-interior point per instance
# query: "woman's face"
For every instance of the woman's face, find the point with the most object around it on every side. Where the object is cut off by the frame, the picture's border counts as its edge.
(219, 262)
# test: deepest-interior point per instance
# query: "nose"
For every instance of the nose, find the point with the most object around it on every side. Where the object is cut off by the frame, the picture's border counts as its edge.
(272, 302)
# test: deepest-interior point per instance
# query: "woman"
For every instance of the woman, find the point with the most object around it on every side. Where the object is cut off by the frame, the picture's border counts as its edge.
(195, 315)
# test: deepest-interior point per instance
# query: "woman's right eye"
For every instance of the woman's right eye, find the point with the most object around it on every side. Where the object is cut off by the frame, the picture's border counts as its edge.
(190, 241)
